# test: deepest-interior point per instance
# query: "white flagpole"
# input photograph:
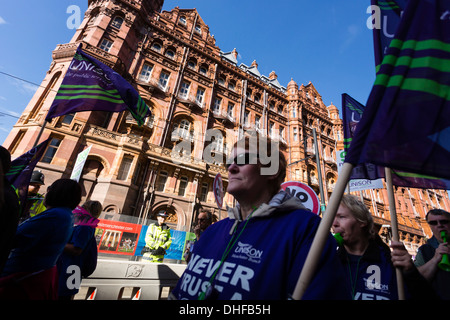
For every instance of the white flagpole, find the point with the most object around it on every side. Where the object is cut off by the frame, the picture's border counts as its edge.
(394, 226)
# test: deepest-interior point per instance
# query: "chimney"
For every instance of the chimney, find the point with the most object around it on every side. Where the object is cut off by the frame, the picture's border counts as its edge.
(235, 53)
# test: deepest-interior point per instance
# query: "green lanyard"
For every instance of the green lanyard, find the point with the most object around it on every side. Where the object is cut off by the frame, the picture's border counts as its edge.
(230, 245)
(353, 284)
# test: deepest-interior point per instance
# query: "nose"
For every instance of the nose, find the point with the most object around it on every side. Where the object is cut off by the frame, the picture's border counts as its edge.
(232, 167)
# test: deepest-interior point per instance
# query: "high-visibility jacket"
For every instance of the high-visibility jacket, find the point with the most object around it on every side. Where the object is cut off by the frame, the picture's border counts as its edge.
(158, 240)
(37, 205)
(33, 206)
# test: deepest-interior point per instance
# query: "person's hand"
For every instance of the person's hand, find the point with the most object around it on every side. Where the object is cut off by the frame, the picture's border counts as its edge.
(400, 256)
(441, 250)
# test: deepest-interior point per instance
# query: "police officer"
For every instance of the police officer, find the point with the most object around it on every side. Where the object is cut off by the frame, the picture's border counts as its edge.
(157, 239)
(35, 200)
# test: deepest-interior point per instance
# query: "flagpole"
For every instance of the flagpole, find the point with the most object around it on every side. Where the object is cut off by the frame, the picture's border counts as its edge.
(312, 259)
(319, 173)
(394, 226)
(40, 134)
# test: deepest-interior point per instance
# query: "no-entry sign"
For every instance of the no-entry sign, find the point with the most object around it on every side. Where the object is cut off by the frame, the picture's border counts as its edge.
(305, 193)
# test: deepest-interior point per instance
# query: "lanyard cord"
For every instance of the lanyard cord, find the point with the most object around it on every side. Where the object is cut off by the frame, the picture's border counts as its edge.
(353, 284)
(202, 295)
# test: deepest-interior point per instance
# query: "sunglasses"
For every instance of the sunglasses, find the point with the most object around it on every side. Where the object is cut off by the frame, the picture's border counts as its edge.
(242, 159)
(435, 222)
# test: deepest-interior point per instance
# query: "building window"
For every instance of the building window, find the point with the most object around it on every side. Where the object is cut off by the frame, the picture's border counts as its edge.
(18, 138)
(183, 186)
(200, 95)
(182, 130)
(183, 20)
(203, 71)
(51, 150)
(146, 72)
(230, 109)
(204, 192)
(217, 103)
(217, 144)
(198, 29)
(257, 122)
(221, 81)
(67, 119)
(124, 169)
(246, 118)
(184, 90)
(192, 64)
(232, 85)
(162, 179)
(106, 45)
(295, 134)
(117, 22)
(163, 79)
(156, 47)
(170, 54)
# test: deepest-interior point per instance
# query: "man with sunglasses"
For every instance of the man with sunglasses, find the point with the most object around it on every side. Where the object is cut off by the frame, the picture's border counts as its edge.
(430, 254)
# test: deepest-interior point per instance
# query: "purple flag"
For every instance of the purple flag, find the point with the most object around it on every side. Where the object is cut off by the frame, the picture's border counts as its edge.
(90, 85)
(406, 123)
(352, 111)
(387, 14)
(22, 168)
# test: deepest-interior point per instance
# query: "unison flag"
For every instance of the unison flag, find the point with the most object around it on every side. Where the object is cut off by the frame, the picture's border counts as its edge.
(90, 85)
(385, 20)
(352, 111)
(406, 123)
(19, 175)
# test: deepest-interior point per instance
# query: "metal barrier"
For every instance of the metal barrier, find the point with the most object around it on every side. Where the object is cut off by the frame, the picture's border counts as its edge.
(130, 280)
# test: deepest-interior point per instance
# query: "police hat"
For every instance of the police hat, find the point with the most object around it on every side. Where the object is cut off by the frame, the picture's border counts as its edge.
(162, 214)
(37, 177)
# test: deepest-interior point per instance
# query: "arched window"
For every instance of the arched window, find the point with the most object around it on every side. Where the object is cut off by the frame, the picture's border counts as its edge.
(170, 53)
(182, 130)
(192, 63)
(156, 46)
(117, 22)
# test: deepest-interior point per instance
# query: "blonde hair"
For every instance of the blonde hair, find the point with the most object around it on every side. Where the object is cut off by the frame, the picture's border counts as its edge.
(265, 143)
(360, 212)
(94, 207)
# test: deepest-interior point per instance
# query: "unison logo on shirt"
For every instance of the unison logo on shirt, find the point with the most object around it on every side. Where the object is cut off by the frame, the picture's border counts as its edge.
(246, 251)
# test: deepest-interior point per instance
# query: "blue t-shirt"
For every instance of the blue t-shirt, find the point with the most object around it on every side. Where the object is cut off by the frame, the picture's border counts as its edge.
(39, 241)
(372, 275)
(265, 261)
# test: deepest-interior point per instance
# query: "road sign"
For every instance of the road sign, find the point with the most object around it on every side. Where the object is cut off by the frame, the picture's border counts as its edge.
(218, 190)
(305, 193)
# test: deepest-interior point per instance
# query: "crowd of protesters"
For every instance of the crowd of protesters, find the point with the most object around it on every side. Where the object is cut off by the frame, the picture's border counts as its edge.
(257, 253)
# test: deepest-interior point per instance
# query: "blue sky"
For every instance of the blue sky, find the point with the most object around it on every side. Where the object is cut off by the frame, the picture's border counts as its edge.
(326, 42)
